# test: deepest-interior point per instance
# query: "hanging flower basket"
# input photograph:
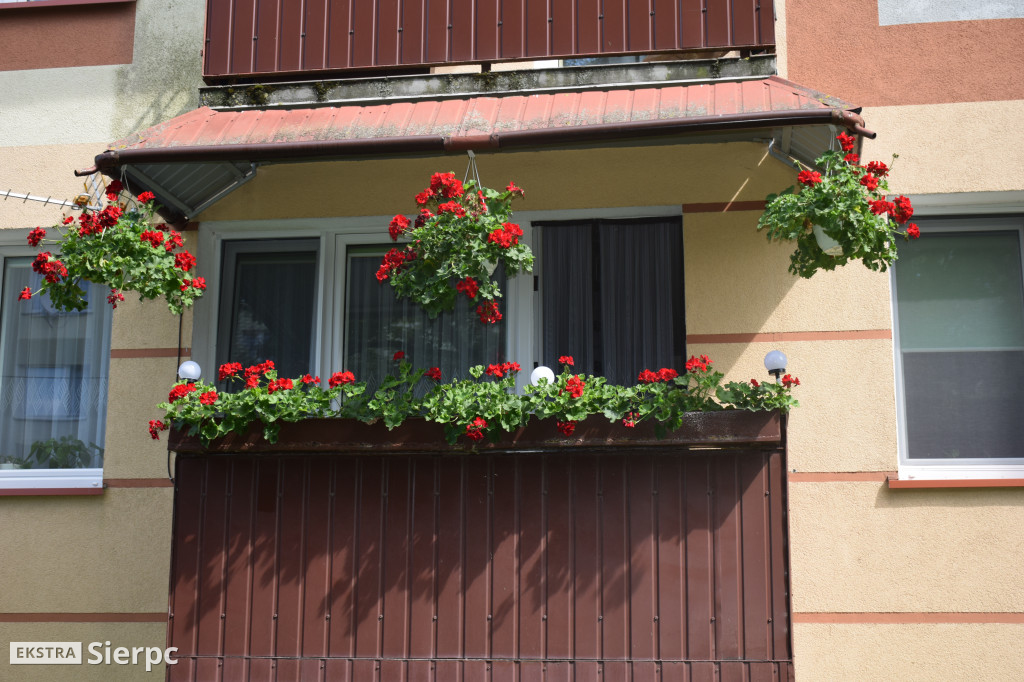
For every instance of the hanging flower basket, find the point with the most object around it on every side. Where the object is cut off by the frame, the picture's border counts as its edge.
(119, 248)
(840, 214)
(452, 248)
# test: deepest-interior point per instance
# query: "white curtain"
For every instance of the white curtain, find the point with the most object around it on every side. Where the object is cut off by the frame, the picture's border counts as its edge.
(53, 375)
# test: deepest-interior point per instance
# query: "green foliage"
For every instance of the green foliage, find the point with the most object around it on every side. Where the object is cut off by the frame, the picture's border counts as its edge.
(484, 405)
(839, 203)
(107, 247)
(66, 452)
(445, 248)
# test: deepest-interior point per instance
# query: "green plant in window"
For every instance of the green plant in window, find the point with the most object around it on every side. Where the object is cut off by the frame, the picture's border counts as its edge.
(453, 246)
(840, 214)
(66, 452)
(120, 248)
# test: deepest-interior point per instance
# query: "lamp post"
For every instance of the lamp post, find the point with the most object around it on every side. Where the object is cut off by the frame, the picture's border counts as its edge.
(542, 372)
(189, 371)
(775, 363)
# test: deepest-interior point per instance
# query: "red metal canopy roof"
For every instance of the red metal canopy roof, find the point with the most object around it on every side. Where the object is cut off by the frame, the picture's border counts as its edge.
(483, 121)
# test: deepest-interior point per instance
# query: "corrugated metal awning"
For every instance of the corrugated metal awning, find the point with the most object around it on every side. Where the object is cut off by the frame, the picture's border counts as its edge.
(192, 160)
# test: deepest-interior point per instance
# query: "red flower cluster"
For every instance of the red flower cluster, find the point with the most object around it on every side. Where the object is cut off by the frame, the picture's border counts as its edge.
(340, 379)
(399, 355)
(574, 386)
(208, 398)
(515, 190)
(173, 240)
(694, 363)
(113, 189)
(229, 369)
(468, 286)
(566, 427)
(790, 381)
(452, 207)
(903, 211)
(180, 391)
(502, 369)
(184, 261)
(663, 374)
(146, 197)
(253, 374)
(488, 312)
(565, 360)
(393, 260)
(846, 141)
(869, 181)
(95, 223)
(280, 385)
(399, 224)
(877, 168)
(433, 373)
(808, 178)
(852, 159)
(446, 184)
(310, 379)
(35, 236)
(913, 231)
(880, 206)
(49, 267)
(197, 283)
(155, 427)
(114, 297)
(475, 429)
(155, 239)
(755, 383)
(629, 421)
(25, 294)
(507, 236)
(423, 217)
(423, 197)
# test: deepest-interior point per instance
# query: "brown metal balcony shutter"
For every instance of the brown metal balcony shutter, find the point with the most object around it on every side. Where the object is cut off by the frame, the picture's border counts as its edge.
(247, 37)
(639, 565)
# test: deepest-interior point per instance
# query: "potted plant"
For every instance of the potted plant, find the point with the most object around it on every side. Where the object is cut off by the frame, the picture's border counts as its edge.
(120, 248)
(839, 214)
(66, 452)
(454, 245)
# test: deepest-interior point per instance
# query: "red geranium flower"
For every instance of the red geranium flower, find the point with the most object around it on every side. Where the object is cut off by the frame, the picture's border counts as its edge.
(310, 379)
(488, 312)
(468, 286)
(423, 197)
(515, 190)
(574, 386)
(433, 373)
(184, 261)
(566, 427)
(698, 364)
(146, 197)
(869, 181)
(880, 206)
(423, 217)
(155, 427)
(846, 141)
(475, 429)
(667, 373)
(208, 398)
(154, 238)
(808, 178)
(173, 240)
(565, 360)
(877, 168)
(114, 188)
(180, 391)
(913, 231)
(280, 385)
(340, 379)
(649, 377)
(790, 381)
(114, 298)
(494, 371)
(399, 224)
(228, 369)
(452, 207)
(904, 211)
(399, 354)
(25, 294)
(629, 421)
(755, 383)
(852, 159)
(35, 236)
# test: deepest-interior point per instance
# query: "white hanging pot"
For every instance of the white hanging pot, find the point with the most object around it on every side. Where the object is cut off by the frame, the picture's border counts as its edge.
(491, 267)
(830, 246)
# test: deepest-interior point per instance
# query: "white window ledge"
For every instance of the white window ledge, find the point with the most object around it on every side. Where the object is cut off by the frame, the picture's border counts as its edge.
(51, 481)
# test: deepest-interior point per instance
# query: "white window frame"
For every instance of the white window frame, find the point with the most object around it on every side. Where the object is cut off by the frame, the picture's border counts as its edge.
(13, 244)
(521, 304)
(981, 214)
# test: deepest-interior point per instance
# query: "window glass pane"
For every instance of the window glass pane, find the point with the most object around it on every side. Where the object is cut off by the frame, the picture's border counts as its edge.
(53, 376)
(612, 295)
(268, 307)
(961, 334)
(961, 291)
(377, 324)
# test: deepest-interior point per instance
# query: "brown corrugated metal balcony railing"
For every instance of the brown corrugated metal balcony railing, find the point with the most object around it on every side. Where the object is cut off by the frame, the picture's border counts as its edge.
(644, 562)
(259, 37)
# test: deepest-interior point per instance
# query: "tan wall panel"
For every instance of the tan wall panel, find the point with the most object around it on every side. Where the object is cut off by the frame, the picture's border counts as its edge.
(737, 282)
(137, 385)
(863, 547)
(908, 653)
(118, 634)
(92, 554)
(45, 171)
(557, 179)
(847, 415)
(966, 147)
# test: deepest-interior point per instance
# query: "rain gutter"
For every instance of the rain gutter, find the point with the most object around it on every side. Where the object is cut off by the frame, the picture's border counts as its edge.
(279, 151)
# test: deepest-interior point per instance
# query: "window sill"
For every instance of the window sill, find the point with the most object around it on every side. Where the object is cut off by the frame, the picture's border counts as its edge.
(35, 4)
(906, 484)
(51, 482)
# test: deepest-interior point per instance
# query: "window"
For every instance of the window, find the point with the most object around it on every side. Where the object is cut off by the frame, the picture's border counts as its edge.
(53, 383)
(959, 306)
(608, 291)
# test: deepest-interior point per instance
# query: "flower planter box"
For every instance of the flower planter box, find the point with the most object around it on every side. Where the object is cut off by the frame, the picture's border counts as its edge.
(721, 429)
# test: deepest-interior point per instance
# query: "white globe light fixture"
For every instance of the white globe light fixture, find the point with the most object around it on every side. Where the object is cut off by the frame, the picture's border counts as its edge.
(542, 372)
(775, 363)
(189, 371)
